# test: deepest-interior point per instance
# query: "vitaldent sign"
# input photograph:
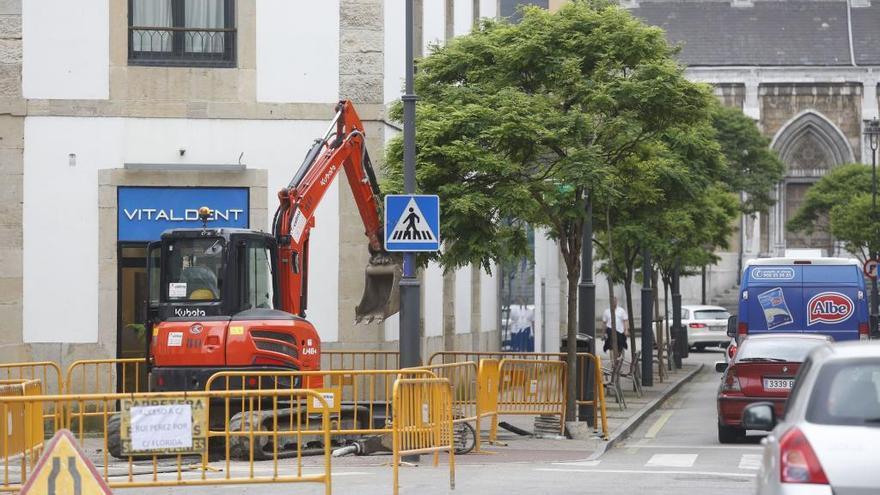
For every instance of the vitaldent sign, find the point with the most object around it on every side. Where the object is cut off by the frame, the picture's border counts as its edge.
(145, 212)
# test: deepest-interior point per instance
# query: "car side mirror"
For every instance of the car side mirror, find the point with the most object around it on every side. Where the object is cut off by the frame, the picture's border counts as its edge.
(759, 416)
(731, 326)
(720, 366)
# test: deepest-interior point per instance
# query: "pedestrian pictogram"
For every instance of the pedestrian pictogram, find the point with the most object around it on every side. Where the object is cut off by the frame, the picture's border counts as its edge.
(412, 222)
(63, 469)
(870, 267)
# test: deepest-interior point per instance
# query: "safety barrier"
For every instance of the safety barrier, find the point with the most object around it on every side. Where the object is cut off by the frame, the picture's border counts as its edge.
(359, 399)
(531, 387)
(422, 423)
(360, 360)
(597, 403)
(102, 376)
(270, 420)
(465, 380)
(47, 372)
(21, 424)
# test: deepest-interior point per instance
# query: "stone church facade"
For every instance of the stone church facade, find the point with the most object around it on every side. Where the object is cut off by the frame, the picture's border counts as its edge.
(805, 70)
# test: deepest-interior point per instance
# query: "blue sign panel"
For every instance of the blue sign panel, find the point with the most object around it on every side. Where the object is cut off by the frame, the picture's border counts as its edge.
(145, 212)
(412, 222)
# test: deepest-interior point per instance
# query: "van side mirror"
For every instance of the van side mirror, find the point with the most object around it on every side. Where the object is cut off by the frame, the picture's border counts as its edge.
(720, 366)
(759, 416)
(731, 326)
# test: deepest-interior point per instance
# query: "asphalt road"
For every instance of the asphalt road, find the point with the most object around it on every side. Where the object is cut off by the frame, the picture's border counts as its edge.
(675, 451)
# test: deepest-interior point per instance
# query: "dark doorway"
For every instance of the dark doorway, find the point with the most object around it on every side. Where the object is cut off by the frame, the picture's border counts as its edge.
(131, 333)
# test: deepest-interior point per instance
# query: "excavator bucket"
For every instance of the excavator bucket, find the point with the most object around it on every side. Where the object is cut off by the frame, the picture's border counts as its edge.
(381, 297)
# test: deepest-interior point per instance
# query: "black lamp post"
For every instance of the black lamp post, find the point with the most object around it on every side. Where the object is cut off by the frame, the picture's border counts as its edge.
(872, 131)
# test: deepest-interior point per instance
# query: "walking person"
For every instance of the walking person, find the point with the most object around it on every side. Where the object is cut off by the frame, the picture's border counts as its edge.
(621, 324)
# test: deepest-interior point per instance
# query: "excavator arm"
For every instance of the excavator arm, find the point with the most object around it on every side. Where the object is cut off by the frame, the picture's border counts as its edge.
(343, 146)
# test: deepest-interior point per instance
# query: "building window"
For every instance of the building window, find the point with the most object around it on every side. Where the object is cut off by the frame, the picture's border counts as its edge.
(181, 33)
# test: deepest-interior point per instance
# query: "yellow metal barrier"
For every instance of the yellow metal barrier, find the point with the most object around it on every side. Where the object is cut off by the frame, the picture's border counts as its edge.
(531, 387)
(467, 389)
(360, 399)
(255, 428)
(598, 401)
(47, 372)
(21, 424)
(101, 376)
(422, 422)
(487, 395)
(360, 360)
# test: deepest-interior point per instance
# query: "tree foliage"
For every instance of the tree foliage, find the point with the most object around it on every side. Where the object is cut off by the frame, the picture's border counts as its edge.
(531, 121)
(840, 204)
(752, 167)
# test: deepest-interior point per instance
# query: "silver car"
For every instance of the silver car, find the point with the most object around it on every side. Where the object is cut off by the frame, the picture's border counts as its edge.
(827, 443)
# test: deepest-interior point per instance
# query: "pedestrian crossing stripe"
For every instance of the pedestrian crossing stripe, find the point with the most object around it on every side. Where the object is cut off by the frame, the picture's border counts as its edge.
(64, 469)
(412, 223)
(411, 226)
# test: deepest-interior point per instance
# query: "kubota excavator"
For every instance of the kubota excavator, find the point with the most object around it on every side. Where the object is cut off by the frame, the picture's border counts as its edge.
(235, 299)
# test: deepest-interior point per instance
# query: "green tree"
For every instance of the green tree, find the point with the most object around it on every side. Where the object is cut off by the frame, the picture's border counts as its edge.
(836, 187)
(840, 204)
(530, 121)
(752, 167)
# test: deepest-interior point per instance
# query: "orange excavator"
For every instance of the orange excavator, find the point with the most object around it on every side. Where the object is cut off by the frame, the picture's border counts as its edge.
(235, 299)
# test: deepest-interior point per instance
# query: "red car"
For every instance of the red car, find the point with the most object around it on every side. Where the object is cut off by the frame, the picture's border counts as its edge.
(763, 370)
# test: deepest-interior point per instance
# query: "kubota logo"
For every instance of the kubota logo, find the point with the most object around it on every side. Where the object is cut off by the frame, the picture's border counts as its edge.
(829, 307)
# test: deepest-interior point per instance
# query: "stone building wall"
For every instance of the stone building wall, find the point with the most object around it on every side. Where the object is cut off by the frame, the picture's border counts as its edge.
(12, 111)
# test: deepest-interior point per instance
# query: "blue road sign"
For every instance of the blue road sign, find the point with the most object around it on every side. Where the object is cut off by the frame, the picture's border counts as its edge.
(412, 222)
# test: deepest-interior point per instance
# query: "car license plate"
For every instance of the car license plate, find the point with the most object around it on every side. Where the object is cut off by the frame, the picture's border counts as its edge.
(718, 329)
(778, 383)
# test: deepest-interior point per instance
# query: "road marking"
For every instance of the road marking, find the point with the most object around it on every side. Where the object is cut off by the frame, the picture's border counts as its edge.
(659, 424)
(646, 471)
(672, 460)
(750, 461)
(641, 445)
(578, 463)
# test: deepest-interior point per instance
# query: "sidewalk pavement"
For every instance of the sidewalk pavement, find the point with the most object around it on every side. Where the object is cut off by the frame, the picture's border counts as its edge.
(586, 446)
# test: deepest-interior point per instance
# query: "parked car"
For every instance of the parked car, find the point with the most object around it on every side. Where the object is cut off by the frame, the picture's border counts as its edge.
(763, 370)
(826, 443)
(706, 326)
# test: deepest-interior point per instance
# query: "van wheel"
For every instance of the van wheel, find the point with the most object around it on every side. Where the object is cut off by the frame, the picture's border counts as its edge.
(730, 434)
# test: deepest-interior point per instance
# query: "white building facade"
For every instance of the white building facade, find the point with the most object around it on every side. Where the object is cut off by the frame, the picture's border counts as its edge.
(107, 101)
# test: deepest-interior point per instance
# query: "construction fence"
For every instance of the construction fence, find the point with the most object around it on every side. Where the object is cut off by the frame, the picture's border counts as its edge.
(226, 426)
(278, 417)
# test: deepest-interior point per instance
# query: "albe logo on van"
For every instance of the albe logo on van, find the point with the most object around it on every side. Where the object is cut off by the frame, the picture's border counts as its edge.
(829, 307)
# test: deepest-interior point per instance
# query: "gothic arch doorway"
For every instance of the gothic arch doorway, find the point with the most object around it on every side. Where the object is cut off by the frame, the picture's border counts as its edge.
(809, 144)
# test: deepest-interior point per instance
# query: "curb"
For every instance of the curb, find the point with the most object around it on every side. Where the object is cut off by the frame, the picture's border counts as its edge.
(632, 423)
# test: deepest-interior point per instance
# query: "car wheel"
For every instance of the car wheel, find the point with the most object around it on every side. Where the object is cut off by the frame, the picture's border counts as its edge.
(730, 434)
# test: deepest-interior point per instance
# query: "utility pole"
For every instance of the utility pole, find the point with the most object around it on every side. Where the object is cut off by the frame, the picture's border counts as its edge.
(410, 344)
(873, 132)
(587, 307)
(410, 290)
(647, 316)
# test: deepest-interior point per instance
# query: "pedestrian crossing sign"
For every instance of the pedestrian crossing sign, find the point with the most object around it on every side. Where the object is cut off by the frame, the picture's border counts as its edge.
(412, 222)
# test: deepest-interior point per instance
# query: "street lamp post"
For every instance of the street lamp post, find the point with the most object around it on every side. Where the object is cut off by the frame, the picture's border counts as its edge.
(872, 131)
